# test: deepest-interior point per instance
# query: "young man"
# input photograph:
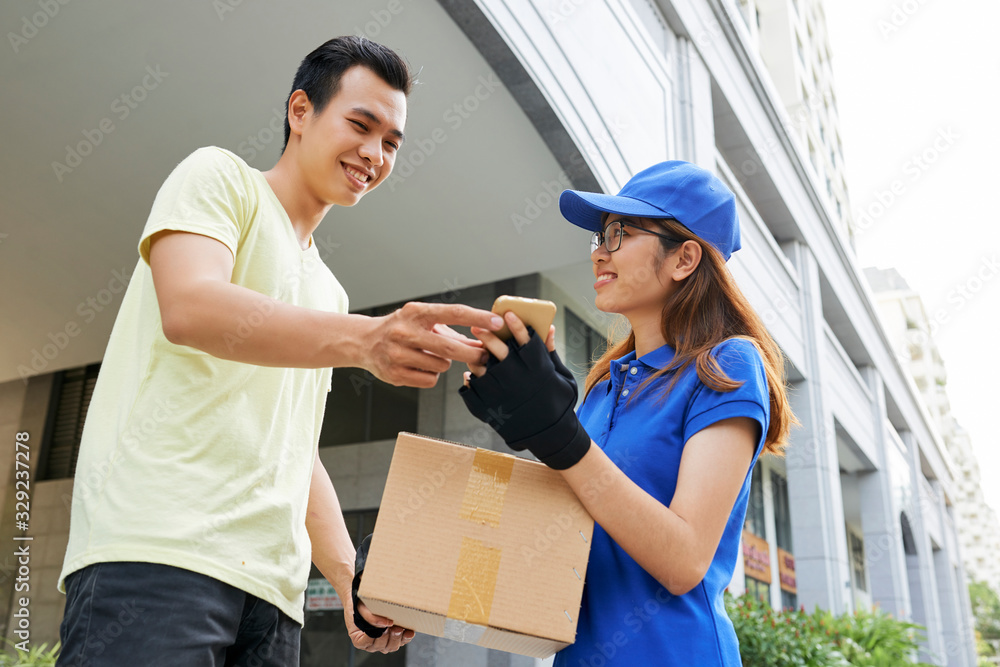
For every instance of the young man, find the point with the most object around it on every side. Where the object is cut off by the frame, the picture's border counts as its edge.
(199, 494)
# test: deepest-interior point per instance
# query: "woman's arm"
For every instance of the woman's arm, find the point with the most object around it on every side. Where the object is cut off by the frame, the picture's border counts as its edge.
(674, 544)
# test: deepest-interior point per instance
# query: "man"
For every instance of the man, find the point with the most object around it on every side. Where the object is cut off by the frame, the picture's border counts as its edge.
(199, 493)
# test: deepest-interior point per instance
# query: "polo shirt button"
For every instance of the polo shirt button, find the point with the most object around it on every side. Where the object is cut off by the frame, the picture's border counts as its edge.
(624, 392)
(634, 370)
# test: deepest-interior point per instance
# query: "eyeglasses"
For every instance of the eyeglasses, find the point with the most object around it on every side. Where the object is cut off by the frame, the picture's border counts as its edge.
(611, 237)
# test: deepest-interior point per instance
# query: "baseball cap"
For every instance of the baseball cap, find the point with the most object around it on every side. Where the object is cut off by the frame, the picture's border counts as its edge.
(682, 191)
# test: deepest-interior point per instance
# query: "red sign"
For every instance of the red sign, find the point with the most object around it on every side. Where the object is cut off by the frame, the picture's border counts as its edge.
(786, 571)
(756, 557)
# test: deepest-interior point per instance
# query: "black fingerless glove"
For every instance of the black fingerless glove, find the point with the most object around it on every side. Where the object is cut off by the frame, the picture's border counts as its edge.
(372, 631)
(528, 398)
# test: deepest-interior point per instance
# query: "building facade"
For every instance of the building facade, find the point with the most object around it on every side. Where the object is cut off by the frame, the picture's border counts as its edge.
(911, 332)
(860, 511)
(792, 40)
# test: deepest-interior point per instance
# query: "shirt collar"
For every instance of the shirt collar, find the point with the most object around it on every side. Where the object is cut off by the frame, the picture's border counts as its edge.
(657, 359)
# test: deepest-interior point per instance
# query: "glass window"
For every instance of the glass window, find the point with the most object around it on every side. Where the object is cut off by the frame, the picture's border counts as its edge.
(393, 409)
(857, 547)
(759, 590)
(70, 400)
(782, 515)
(755, 507)
(362, 408)
(346, 407)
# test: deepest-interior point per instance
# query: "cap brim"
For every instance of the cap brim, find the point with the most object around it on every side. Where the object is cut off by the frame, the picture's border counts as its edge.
(585, 209)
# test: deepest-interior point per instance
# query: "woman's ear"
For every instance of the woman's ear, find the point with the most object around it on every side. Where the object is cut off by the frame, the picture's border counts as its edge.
(686, 258)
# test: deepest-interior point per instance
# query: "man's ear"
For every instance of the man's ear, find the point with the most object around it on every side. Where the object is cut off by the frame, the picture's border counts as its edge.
(687, 258)
(299, 107)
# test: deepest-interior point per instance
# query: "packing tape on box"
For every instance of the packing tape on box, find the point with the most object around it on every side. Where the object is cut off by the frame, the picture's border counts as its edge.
(459, 631)
(474, 584)
(478, 565)
(487, 487)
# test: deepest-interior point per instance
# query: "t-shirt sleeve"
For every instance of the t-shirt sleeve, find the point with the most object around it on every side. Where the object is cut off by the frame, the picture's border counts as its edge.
(205, 194)
(740, 360)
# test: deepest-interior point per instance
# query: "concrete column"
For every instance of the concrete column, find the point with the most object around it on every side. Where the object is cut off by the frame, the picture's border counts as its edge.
(886, 560)
(771, 531)
(950, 579)
(968, 635)
(814, 493)
(953, 654)
(920, 568)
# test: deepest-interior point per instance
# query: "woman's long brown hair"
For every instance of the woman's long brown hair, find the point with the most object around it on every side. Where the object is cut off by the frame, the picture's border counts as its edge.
(707, 309)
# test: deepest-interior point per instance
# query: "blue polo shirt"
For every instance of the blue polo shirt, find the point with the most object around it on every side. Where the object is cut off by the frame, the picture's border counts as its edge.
(627, 617)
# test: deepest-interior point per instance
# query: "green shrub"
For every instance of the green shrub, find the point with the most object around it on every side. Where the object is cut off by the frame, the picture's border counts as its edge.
(36, 656)
(770, 638)
(874, 639)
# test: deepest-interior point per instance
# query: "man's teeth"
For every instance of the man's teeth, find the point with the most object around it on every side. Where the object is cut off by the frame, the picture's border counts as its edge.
(360, 175)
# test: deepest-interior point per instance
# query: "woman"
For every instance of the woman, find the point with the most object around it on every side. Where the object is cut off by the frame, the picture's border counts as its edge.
(673, 420)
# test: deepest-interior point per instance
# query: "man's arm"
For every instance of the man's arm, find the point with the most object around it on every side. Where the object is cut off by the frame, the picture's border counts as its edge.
(201, 308)
(333, 553)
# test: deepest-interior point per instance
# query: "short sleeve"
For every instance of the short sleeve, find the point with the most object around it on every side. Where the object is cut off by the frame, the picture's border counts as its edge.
(205, 194)
(740, 360)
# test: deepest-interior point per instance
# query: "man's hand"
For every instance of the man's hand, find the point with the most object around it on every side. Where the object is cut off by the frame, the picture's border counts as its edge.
(335, 556)
(393, 639)
(414, 345)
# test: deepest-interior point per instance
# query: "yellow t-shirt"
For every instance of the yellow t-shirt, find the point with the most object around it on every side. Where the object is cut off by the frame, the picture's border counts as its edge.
(190, 460)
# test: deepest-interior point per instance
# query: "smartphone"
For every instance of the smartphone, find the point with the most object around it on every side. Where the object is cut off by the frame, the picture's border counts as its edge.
(534, 312)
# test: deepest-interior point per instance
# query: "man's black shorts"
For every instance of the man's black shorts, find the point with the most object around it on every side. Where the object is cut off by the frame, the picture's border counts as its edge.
(160, 616)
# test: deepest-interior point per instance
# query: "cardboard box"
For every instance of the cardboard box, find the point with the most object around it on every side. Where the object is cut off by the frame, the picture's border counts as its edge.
(478, 546)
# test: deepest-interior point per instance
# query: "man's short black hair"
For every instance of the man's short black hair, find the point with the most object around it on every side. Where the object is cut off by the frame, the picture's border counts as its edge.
(319, 73)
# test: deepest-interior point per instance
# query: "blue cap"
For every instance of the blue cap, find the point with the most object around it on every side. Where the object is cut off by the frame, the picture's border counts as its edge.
(681, 191)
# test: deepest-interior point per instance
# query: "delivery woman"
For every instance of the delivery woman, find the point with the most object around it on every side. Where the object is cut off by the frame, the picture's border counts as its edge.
(673, 420)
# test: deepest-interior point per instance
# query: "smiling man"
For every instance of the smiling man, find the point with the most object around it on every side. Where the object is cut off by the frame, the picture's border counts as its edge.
(199, 495)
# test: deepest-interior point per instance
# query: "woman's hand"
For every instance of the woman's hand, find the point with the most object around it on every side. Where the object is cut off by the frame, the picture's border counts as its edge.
(498, 348)
(526, 394)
